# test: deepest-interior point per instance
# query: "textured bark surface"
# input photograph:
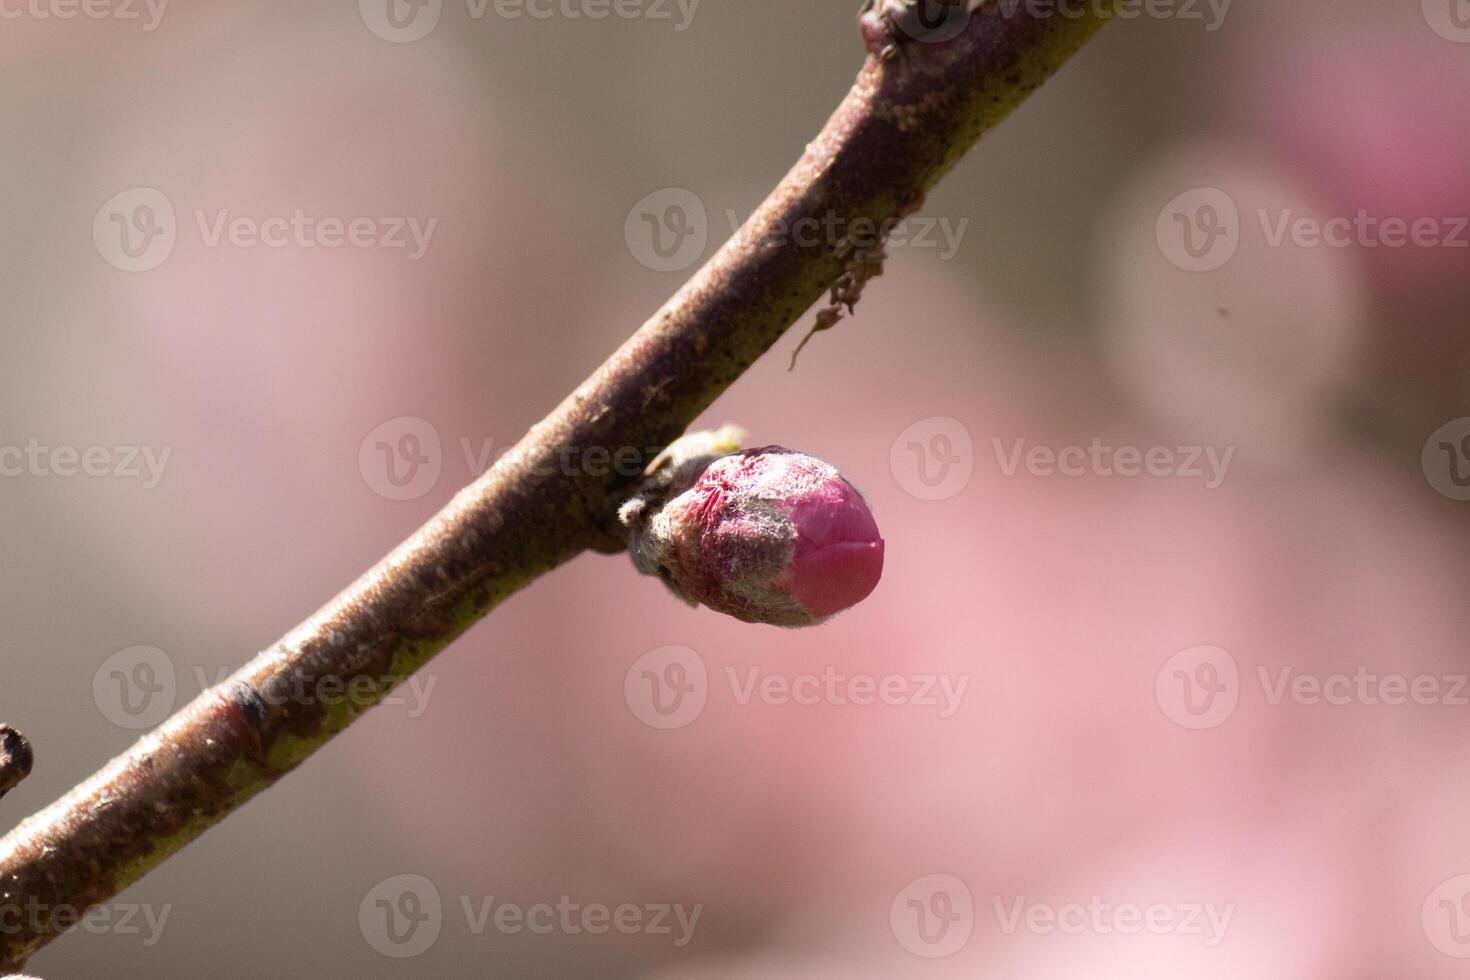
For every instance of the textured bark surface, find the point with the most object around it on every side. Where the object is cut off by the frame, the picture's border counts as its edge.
(15, 758)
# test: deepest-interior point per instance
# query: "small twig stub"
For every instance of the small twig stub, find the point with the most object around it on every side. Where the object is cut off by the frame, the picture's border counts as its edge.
(16, 758)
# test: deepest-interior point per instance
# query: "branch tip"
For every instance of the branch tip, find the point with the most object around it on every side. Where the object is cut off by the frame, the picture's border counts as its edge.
(16, 758)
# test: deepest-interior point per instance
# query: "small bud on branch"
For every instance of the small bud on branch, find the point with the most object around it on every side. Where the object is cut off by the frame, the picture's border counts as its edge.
(765, 535)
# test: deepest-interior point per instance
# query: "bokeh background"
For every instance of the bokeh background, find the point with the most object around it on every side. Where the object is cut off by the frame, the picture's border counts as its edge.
(1131, 265)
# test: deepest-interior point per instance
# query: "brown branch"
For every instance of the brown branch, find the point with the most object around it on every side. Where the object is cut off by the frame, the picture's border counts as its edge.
(915, 108)
(15, 759)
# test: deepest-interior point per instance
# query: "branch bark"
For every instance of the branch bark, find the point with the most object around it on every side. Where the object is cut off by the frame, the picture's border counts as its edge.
(15, 759)
(916, 107)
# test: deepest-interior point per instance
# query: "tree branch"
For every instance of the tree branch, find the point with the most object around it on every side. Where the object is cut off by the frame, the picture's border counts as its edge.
(15, 759)
(915, 108)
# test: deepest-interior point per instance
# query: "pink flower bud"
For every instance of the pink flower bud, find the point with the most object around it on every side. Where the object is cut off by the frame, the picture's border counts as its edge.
(765, 535)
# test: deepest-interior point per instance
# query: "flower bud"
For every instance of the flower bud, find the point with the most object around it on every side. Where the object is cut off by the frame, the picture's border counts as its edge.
(765, 535)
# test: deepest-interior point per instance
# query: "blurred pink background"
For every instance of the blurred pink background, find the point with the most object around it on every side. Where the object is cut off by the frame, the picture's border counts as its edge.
(1105, 702)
